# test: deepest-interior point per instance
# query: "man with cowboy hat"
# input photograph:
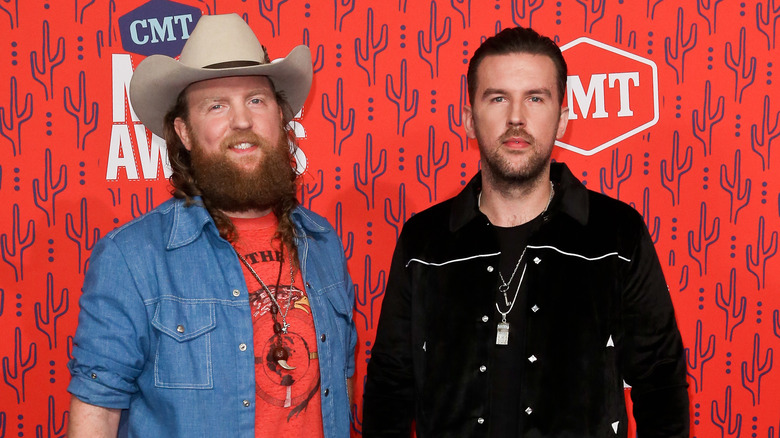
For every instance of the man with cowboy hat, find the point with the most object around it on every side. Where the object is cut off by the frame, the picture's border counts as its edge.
(227, 310)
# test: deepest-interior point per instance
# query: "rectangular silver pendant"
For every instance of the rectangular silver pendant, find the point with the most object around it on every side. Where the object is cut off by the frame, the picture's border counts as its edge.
(502, 334)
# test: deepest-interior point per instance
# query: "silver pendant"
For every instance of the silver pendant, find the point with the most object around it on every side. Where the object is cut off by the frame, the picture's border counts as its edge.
(502, 335)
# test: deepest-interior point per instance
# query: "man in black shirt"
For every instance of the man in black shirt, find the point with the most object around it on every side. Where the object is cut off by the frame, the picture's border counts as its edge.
(520, 307)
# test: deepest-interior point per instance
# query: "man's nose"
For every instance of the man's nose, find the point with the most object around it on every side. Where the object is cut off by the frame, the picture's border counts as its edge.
(516, 116)
(240, 117)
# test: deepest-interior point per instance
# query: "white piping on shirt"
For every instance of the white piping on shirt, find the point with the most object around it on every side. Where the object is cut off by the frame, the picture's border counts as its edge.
(582, 256)
(451, 261)
(610, 254)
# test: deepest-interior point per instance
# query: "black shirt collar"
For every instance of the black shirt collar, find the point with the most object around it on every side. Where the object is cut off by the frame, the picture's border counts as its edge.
(571, 198)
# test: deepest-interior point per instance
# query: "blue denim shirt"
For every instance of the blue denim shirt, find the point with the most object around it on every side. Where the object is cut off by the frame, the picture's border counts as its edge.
(165, 318)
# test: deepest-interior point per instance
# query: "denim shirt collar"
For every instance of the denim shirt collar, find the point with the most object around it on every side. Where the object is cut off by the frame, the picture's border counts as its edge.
(191, 219)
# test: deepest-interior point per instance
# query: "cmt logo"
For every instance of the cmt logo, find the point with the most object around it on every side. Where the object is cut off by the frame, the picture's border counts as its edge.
(612, 95)
(158, 26)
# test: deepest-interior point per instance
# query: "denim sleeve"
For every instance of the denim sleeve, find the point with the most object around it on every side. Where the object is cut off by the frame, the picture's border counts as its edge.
(112, 335)
(352, 340)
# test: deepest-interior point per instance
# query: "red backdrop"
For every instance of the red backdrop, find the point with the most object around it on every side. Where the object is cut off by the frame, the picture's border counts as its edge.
(674, 116)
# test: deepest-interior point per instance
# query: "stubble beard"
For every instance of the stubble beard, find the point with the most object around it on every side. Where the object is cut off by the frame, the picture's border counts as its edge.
(502, 171)
(230, 188)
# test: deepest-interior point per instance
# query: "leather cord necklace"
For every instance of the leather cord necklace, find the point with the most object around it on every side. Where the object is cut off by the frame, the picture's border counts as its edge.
(278, 352)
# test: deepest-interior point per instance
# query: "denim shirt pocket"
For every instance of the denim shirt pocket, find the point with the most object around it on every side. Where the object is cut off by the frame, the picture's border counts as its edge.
(183, 357)
(337, 299)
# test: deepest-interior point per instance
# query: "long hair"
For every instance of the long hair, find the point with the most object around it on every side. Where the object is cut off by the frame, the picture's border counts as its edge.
(518, 40)
(185, 186)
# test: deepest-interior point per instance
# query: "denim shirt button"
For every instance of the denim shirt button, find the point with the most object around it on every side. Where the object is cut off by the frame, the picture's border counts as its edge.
(180, 328)
(327, 391)
(93, 375)
(236, 292)
(246, 403)
(242, 347)
(322, 338)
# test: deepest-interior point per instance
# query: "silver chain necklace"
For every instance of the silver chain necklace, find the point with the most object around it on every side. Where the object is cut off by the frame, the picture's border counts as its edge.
(278, 352)
(502, 332)
(504, 288)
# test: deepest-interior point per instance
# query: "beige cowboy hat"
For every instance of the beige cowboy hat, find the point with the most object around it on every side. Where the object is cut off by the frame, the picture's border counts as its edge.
(219, 46)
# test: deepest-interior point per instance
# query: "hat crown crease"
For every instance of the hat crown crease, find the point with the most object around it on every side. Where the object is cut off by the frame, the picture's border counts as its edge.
(220, 40)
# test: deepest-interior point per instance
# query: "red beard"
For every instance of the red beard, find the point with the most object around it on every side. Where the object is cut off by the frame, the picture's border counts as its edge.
(232, 189)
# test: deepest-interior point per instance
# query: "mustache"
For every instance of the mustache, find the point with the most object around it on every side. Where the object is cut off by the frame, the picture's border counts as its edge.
(517, 132)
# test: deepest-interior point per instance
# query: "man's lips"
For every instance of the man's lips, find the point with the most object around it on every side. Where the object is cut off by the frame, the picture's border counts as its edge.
(515, 141)
(242, 146)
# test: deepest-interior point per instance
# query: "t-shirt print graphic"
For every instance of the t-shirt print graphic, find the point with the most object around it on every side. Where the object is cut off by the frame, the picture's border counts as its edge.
(292, 386)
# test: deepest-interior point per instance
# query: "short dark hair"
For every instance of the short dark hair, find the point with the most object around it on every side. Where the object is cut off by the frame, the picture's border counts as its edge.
(517, 40)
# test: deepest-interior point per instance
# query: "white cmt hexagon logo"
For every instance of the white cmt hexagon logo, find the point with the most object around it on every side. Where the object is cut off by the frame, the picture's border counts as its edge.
(611, 94)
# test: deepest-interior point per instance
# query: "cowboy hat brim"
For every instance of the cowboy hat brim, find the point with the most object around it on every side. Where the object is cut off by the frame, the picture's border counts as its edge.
(158, 80)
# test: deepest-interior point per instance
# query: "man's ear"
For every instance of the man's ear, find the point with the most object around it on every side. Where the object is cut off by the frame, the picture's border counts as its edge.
(563, 120)
(468, 121)
(183, 132)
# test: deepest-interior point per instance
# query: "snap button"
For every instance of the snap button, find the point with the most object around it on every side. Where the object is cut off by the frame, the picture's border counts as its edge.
(327, 391)
(485, 318)
(236, 292)
(528, 410)
(242, 347)
(490, 269)
(537, 260)
(180, 328)
(480, 420)
(93, 375)
(246, 403)
(322, 338)
(535, 308)
(532, 359)
(482, 368)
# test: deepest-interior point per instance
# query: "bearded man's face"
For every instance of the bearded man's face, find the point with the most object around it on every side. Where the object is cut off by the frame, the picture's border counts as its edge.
(240, 154)
(516, 117)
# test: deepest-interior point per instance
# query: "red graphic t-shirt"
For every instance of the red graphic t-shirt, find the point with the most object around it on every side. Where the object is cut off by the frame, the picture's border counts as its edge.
(287, 391)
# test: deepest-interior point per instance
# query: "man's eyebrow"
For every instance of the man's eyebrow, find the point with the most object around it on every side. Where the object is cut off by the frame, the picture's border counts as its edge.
(260, 91)
(254, 92)
(541, 90)
(489, 91)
